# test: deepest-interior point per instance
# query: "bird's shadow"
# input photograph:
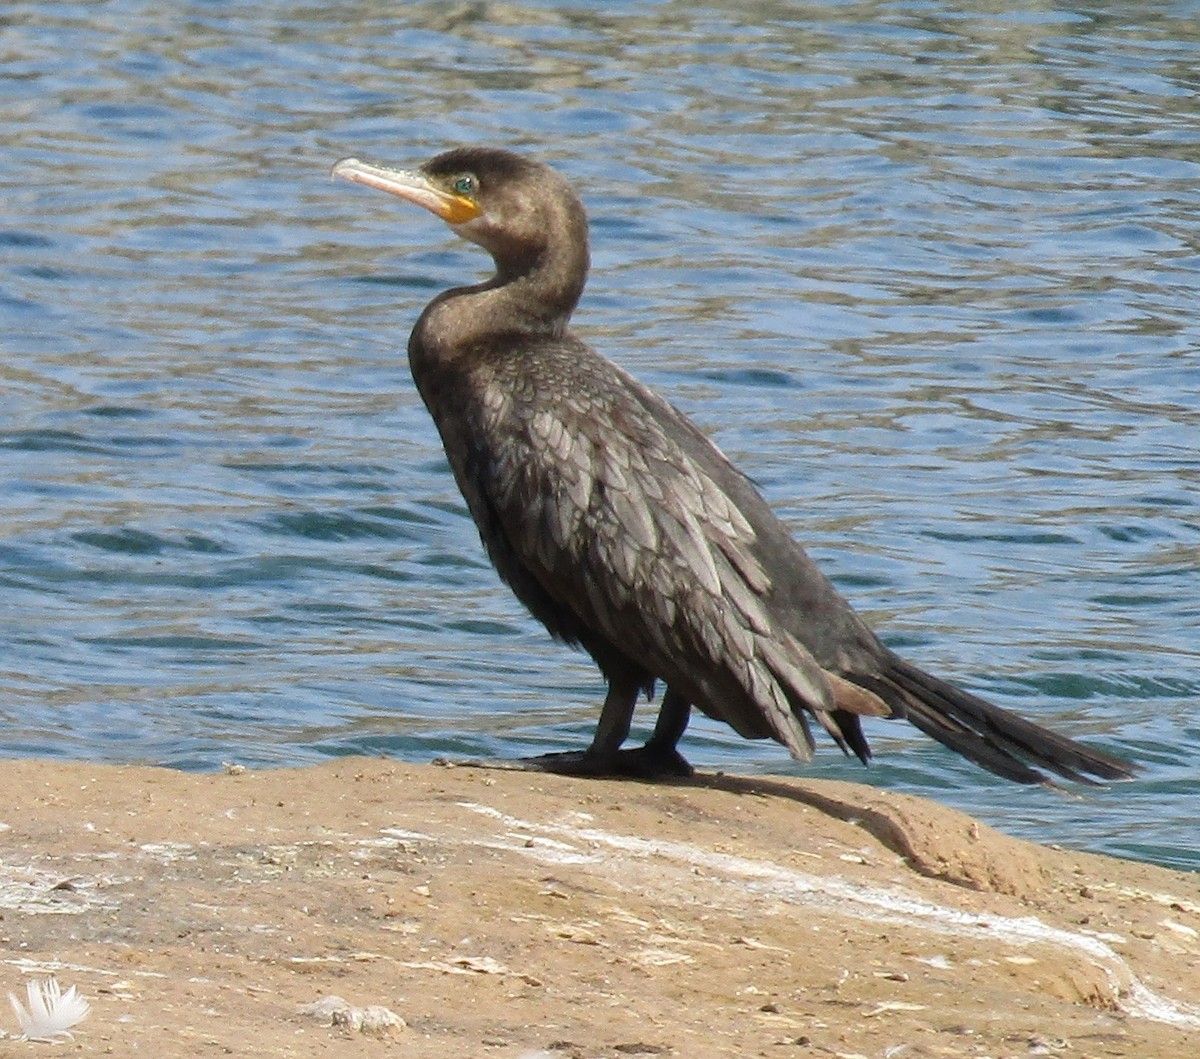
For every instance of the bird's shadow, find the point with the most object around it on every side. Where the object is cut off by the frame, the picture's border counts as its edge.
(883, 824)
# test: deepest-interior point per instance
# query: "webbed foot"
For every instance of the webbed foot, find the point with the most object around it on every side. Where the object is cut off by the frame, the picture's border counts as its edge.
(647, 762)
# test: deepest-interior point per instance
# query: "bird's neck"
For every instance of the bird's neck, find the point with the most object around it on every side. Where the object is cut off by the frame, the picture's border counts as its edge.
(530, 295)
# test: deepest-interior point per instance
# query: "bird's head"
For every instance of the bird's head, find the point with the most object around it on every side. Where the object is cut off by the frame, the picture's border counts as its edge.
(514, 207)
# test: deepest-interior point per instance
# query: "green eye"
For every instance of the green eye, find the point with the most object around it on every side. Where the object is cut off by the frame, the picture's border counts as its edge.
(464, 185)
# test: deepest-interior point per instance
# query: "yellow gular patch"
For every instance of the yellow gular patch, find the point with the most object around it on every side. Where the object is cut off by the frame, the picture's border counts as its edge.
(457, 210)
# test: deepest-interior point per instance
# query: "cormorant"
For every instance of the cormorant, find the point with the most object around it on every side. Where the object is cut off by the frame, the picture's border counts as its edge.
(625, 531)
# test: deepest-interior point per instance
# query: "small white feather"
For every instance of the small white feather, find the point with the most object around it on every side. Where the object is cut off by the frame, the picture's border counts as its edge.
(51, 1012)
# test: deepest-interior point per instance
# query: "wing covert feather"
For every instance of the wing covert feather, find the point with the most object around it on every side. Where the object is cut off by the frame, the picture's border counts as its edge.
(617, 521)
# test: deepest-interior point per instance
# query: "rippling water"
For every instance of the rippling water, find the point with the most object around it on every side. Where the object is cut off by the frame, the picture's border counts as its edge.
(927, 271)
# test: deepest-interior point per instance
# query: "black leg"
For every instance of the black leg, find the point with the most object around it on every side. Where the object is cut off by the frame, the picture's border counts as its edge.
(658, 758)
(672, 722)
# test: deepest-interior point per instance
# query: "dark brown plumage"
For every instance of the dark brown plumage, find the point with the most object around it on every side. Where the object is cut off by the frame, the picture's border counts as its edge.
(624, 530)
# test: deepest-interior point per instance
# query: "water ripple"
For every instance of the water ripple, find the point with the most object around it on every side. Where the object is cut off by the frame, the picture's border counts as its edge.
(926, 272)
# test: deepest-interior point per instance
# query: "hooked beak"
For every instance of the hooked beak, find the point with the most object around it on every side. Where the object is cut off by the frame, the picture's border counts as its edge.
(453, 209)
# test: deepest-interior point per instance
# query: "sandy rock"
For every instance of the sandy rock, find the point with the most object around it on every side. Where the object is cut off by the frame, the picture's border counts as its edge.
(509, 914)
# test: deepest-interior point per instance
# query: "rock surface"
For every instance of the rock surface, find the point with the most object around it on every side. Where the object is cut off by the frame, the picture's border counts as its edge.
(365, 907)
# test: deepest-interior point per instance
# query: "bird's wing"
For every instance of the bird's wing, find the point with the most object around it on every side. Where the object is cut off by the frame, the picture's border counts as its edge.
(601, 500)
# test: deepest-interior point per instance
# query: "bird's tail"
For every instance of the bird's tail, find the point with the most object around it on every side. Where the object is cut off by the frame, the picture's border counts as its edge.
(994, 738)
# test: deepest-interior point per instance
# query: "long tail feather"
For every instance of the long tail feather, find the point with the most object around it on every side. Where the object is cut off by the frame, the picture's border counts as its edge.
(992, 737)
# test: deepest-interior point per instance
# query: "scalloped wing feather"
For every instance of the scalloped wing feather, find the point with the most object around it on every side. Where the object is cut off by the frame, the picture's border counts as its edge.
(642, 543)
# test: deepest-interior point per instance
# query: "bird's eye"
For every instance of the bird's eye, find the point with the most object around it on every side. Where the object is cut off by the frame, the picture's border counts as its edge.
(464, 185)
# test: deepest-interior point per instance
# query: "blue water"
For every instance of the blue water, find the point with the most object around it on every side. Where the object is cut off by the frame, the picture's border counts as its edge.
(928, 274)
